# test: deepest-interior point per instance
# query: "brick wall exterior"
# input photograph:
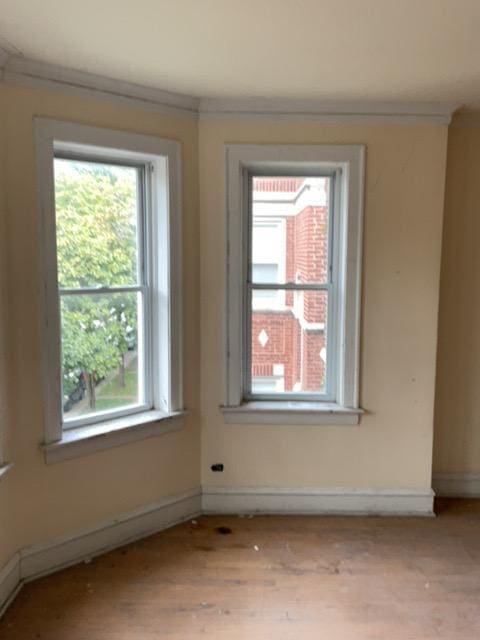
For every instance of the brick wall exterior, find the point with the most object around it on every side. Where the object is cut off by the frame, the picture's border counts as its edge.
(295, 340)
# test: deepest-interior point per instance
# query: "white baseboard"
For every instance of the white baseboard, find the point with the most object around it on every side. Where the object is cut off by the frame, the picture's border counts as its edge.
(457, 485)
(388, 502)
(38, 560)
(9, 582)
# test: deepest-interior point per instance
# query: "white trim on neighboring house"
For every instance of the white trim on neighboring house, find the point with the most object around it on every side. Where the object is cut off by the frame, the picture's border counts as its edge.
(21, 71)
(457, 485)
(165, 291)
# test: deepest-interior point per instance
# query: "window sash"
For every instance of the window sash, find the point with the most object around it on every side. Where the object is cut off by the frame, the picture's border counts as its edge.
(145, 377)
(328, 394)
(329, 287)
(143, 286)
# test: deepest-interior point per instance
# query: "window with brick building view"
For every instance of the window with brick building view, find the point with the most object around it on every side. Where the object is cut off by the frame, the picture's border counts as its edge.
(289, 284)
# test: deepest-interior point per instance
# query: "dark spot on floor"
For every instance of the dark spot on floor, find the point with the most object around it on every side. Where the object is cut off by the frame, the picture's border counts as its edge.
(224, 531)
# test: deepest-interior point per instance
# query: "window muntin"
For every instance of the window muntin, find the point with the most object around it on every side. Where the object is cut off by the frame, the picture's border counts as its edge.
(287, 317)
(103, 282)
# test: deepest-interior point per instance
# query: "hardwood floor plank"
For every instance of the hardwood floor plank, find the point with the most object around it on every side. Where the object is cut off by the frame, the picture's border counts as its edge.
(287, 578)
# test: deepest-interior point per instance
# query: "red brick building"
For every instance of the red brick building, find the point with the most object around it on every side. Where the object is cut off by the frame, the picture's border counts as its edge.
(289, 244)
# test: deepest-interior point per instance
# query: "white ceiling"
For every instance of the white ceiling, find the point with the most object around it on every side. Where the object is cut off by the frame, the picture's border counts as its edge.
(337, 49)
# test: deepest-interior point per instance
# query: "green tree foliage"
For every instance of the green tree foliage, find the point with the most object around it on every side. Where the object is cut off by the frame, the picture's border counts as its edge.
(96, 246)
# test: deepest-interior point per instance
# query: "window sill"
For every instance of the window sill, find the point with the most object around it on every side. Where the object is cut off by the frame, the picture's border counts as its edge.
(113, 433)
(4, 469)
(285, 412)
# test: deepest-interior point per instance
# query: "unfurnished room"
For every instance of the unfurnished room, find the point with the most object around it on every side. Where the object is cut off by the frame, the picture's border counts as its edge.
(239, 320)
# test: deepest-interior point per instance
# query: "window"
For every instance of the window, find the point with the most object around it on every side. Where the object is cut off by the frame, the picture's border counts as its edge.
(293, 278)
(288, 316)
(111, 240)
(104, 291)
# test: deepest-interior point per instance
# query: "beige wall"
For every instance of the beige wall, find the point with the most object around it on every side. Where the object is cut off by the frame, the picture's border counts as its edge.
(8, 544)
(47, 501)
(7, 539)
(3, 285)
(457, 410)
(392, 447)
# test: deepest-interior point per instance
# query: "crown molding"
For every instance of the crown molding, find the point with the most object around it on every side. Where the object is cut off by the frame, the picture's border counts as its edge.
(21, 71)
(329, 111)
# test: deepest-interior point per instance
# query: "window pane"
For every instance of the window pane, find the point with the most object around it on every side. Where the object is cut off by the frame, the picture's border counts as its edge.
(290, 228)
(96, 214)
(289, 343)
(265, 273)
(102, 352)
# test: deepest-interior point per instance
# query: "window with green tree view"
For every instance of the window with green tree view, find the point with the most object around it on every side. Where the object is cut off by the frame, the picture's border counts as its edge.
(102, 287)
(110, 241)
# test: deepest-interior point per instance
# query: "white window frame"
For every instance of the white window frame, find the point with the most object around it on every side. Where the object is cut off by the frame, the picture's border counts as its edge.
(346, 164)
(162, 160)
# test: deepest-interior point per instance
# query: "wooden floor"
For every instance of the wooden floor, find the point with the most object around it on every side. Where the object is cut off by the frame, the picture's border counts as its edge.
(231, 578)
